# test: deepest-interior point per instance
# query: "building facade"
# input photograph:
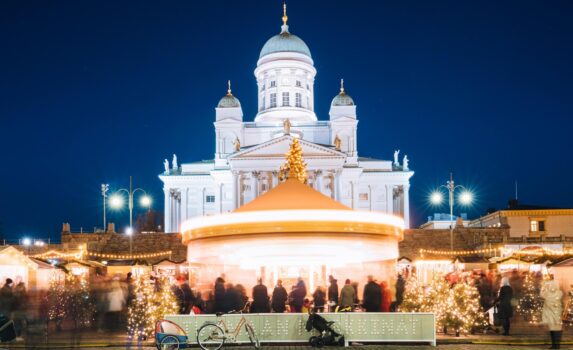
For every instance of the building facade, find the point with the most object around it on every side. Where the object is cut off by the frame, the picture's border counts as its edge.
(248, 154)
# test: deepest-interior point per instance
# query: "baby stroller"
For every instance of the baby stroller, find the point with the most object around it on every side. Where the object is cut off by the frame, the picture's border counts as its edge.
(327, 336)
(7, 331)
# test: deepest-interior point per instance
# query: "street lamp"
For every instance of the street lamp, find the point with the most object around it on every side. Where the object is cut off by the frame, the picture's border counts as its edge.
(104, 190)
(465, 198)
(116, 199)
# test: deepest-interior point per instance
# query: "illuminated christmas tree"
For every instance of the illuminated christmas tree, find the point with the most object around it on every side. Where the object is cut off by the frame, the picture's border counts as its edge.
(464, 311)
(165, 301)
(295, 167)
(413, 296)
(139, 323)
(57, 300)
(438, 300)
(81, 308)
(530, 303)
(149, 306)
(455, 307)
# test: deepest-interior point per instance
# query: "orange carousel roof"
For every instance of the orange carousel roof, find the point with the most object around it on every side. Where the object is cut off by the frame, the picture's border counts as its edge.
(292, 195)
(292, 208)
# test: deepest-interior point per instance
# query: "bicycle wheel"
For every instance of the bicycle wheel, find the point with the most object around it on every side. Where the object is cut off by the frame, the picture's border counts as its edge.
(169, 343)
(252, 336)
(210, 337)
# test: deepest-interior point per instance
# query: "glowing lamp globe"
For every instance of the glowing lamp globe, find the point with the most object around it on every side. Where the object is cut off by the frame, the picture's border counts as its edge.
(436, 198)
(116, 201)
(466, 197)
(145, 201)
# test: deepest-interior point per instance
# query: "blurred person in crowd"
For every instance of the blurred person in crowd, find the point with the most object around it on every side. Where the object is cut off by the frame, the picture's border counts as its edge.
(279, 298)
(219, 295)
(372, 296)
(6, 298)
(354, 285)
(260, 298)
(130, 293)
(332, 293)
(305, 308)
(504, 308)
(116, 302)
(298, 295)
(552, 312)
(233, 299)
(386, 297)
(319, 299)
(20, 302)
(347, 295)
(243, 298)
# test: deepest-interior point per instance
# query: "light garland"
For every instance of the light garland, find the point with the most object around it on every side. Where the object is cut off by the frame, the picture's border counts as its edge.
(459, 252)
(81, 253)
(505, 251)
(56, 254)
(130, 256)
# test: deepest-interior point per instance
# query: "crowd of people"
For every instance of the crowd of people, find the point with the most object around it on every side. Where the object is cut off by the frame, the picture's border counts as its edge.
(376, 297)
(112, 296)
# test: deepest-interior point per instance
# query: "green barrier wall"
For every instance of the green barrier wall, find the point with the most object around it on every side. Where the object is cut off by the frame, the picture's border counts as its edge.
(356, 326)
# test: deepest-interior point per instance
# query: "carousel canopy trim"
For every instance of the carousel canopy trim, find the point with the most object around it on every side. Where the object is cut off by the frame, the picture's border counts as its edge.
(293, 221)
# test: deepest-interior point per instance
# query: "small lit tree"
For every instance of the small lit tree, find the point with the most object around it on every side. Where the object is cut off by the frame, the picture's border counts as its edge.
(139, 323)
(295, 166)
(81, 307)
(57, 300)
(530, 303)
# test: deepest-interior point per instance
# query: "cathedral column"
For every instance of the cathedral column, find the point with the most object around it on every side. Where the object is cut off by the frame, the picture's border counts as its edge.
(184, 201)
(274, 178)
(220, 198)
(167, 204)
(389, 200)
(337, 194)
(318, 180)
(352, 194)
(406, 202)
(235, 189)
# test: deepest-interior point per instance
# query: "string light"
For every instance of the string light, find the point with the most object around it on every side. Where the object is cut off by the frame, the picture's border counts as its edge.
(130, 256)
(459, 252)
(81, 253)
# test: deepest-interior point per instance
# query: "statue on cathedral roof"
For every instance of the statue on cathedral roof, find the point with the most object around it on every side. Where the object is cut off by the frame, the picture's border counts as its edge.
(286, 126)
(237, 144)
(337, 143)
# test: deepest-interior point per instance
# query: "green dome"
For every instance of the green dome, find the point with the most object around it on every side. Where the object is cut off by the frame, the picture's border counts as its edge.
(285, 42)
(342, 99)
(229, 101)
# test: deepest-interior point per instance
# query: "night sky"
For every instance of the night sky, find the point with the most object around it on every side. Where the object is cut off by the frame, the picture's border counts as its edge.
(95, 91)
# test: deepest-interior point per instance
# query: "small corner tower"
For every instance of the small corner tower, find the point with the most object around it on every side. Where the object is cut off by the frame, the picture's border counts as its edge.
(228, 126)
(344, 124)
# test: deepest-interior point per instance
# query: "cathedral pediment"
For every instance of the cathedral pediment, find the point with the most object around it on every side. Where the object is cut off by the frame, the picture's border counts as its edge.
(277, 148)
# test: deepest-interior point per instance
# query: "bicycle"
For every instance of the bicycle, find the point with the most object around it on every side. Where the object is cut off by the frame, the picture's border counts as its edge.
(213, 335)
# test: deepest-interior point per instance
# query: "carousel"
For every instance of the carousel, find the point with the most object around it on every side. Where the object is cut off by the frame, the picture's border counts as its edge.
(290, 232)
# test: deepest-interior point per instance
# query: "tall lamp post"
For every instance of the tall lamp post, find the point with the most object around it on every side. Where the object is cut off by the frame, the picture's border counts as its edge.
(465, 198)
(116, 201)
(104, 190)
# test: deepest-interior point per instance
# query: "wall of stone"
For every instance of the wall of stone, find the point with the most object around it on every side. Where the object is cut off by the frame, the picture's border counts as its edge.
(464, 239)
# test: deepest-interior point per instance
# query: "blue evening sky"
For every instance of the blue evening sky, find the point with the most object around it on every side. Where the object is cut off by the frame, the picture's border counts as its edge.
(95, 91)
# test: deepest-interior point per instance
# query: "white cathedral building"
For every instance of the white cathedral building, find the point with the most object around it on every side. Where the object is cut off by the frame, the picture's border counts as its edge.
(248, 154)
